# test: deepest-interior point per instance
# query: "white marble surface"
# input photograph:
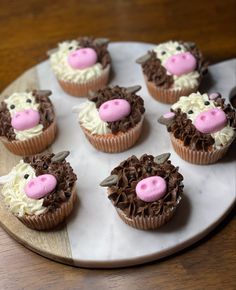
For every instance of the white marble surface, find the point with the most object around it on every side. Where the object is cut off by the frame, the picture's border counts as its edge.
(97, 235)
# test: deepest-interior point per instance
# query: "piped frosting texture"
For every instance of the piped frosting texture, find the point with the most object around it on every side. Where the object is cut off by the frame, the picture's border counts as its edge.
(133, 170)
(64, 71)
(187, 110)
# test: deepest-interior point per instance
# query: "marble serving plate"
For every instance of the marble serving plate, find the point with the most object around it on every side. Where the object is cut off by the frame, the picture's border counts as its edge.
(94, 236)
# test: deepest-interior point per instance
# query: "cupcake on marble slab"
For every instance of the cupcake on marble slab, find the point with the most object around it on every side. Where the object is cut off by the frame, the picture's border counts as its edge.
(81, 65)
(145, 191)
(112, 118)
(201, 126)
(27, 122)
(40, 190)
(172, 69)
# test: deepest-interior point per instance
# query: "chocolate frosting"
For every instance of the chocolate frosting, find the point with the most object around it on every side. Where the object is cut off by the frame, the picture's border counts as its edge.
(130, 172)
(45, 110)
(42, 163)
(101, 50)
(136, 102)
(183, 129)
(156, 73)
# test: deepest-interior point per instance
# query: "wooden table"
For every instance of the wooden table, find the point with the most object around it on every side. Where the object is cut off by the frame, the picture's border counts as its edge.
(28, 29)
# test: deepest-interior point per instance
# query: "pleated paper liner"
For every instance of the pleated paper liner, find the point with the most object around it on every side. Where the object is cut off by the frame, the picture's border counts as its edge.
(50, 220)
(196, 156)
(167, 96)
(32, 145)
(83, 89)
(113, 143)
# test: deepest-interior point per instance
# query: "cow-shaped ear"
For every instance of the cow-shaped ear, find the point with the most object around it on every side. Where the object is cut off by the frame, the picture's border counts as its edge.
(191, 44)
(101, 41)
(162, 158)
(133, 89)
(51, 51)
(61, 156)
(144, 58)
(42, 93)
(167, 118)
(110, 180)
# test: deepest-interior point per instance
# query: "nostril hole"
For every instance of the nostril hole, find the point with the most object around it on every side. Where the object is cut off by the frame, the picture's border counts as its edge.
(183, 56)
(105, 106)
(84, 52)
(43, 179)
(213, 113)
(154, 182)
(31, 184)
(203, 118)
(17, 115)
(143, 186)
(173, 59)
(116, 103)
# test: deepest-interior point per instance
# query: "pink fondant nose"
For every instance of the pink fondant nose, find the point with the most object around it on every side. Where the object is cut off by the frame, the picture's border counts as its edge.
(181, 63)
(114, 110)
(151, 188)
(40, 186)
(210, 121)
(25, 119)
(82, 58)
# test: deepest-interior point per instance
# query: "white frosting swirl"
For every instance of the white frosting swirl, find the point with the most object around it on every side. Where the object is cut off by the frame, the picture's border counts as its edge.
(19, 100)
(196, 103)
(168, 49)
(14, 195)
(64, 71)
(89, 118)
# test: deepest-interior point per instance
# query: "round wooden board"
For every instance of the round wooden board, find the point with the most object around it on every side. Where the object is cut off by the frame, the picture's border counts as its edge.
(58, 244)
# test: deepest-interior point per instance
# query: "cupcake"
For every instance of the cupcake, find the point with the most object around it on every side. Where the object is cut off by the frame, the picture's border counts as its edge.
(112, 118)
(40, 190)
(81, 65)
(145, 191)
(27, 122)
(172, 69)
(201, 127)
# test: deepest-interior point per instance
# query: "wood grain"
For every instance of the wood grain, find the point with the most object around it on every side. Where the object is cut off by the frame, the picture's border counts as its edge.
(28, 29)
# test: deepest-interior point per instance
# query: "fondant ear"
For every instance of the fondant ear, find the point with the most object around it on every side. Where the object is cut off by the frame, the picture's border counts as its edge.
(61, 156)
(5, 178)
(101, 41)
(43, 93)
(133, 89)
(162, 158)
(191, 44)
(110, 180)
(167, 118)
(51, 51)
(142, 59)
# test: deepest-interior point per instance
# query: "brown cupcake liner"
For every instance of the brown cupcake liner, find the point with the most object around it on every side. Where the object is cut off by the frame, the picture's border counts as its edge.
(33, 145)
(146, 223)
(111, 143)
(167, 96)
(49, 220)
(195, 156)
(83, 89)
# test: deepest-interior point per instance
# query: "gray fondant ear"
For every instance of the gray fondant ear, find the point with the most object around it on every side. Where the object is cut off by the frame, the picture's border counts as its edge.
(133, 89)
(43, 93)
(162, 158)
(110, 180)
(142, 59)
(191, 44)
(51, 51)
(91, 94)
(167, 118)
(101, 41)
(61, 156)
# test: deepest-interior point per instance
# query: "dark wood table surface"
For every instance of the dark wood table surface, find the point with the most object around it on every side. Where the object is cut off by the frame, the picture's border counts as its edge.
(27, 30)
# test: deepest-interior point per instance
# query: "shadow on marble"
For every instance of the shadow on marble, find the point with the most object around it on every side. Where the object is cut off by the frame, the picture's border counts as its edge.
(207, 83)
(145, 132)
(230, 155)
(180, 218)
